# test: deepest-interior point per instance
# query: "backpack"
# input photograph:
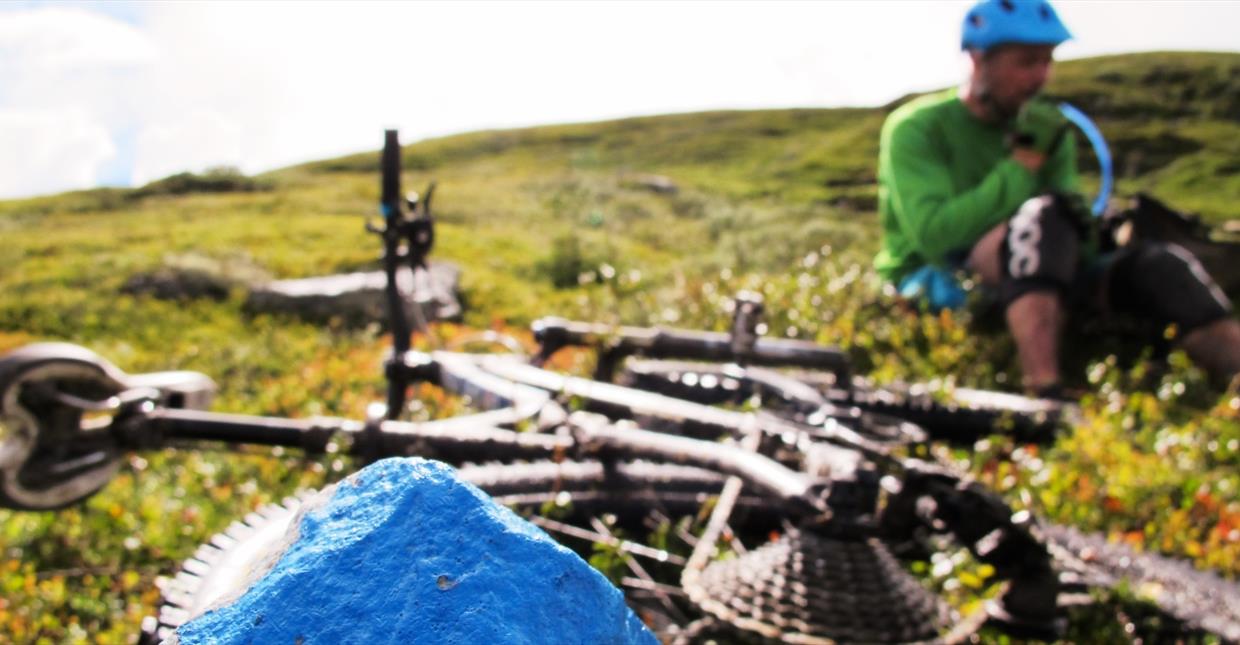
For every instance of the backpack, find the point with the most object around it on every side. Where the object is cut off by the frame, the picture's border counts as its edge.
(1149, 219)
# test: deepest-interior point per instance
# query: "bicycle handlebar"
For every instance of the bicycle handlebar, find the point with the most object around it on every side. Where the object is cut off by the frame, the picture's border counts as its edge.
(553, 334)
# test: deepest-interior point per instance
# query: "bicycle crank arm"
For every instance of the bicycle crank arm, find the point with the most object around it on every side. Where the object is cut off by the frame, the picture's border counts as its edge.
(57, 404)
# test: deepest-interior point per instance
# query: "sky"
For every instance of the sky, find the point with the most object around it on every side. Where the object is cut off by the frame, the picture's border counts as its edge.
(122, 93)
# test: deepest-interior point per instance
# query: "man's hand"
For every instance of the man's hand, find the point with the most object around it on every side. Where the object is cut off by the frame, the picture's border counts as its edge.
(1039, 126)
(1029, 158)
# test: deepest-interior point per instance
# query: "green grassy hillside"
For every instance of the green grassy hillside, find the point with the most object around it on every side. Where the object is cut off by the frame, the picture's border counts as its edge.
(779, 200)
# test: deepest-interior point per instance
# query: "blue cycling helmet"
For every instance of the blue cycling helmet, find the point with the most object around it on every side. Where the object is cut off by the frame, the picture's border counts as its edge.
(997, 22)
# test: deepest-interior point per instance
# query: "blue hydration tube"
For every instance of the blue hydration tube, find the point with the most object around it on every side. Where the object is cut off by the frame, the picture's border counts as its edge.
(1091, 131)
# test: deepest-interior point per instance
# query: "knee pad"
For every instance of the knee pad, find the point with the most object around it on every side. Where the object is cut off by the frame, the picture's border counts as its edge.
(1166, 283)
(1040, 252)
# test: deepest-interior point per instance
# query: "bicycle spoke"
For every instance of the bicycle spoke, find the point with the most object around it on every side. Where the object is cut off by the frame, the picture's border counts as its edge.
(624, 546)
(641, 573)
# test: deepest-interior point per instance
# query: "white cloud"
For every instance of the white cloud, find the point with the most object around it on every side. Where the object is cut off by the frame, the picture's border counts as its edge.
(262, 84)
(196, 141)
(62, 39)
(315, 80)
(51, 150)
(64, 89)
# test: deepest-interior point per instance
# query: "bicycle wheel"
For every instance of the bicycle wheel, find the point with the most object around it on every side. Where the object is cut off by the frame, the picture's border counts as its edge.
(1200, 600)
(783, 604)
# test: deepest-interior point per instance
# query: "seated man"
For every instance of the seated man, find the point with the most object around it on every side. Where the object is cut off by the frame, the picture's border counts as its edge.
(984, 176)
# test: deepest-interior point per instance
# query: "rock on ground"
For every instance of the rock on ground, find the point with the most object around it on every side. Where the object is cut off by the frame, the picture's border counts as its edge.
(359, 298)
(404, 552)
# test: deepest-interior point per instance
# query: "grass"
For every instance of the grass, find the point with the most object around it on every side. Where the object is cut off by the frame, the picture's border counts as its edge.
(778, 201)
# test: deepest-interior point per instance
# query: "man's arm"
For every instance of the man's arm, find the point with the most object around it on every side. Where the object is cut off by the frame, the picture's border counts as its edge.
(1060, 171)
(935, 220)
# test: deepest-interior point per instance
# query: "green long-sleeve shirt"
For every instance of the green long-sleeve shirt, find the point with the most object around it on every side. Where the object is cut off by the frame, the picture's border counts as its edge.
(945, 178)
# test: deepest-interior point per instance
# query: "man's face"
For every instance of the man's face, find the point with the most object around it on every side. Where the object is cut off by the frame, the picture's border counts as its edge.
(1013, 74)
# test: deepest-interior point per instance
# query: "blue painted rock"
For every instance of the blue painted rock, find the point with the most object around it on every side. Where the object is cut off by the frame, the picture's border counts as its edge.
(404, 552)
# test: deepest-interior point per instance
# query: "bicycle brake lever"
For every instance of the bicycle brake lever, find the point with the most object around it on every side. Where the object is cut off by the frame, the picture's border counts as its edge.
(426, 201)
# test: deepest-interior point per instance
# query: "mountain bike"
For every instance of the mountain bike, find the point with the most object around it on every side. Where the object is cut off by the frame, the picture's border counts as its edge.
(845, 504)
(756, 492)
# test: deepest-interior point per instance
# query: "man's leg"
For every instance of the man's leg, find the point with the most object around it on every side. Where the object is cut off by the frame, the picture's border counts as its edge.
(1166, 283)
(1036, 322)
(1035, 319)
(1216, 348)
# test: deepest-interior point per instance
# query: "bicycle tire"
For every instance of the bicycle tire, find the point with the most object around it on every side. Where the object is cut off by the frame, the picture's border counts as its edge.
(1200, 599)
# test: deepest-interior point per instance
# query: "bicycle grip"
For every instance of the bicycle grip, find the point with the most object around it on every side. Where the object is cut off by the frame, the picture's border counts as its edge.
(390, 199)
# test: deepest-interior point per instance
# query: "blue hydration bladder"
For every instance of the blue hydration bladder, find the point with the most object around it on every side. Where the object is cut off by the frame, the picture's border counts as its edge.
(937, 286)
